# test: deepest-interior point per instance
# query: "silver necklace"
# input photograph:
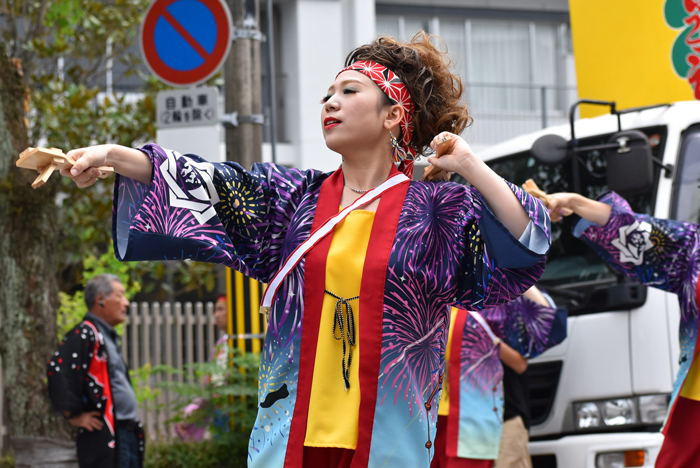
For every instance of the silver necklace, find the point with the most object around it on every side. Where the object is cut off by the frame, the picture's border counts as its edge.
(357, 190)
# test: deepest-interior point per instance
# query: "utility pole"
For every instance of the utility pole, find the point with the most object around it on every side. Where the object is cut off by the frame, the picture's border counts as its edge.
(242, 86)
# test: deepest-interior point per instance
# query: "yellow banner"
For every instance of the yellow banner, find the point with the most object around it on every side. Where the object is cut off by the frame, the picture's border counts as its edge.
(636, 52)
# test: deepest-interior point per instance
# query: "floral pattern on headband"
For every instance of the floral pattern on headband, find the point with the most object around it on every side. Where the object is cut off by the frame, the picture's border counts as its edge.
(395, 90)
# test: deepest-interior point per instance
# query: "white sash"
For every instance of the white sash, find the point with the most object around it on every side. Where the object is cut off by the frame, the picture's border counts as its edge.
(320, 233)
(479, 318)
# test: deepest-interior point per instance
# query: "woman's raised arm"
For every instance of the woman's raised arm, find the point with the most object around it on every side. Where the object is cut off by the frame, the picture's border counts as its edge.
(505, 205)
(128, 162)
(592, 210)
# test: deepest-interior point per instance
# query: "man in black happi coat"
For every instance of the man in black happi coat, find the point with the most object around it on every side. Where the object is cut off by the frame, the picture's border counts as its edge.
(89, 382)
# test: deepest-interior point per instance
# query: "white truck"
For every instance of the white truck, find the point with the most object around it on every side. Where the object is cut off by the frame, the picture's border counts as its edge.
(599, 399)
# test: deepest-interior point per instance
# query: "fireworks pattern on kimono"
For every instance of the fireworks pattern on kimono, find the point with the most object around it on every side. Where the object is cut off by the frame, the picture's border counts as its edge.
(416, 307)
(141, 208)
(240, 205)
(285, 323)
(673, 264)
(481, 368)
(523, 324)
(429, 221)
(421, 285)
(269, 211)
(412, 339)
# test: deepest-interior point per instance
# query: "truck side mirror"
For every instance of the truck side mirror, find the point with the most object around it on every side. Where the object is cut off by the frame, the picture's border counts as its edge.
(551, 150)
(630, 168)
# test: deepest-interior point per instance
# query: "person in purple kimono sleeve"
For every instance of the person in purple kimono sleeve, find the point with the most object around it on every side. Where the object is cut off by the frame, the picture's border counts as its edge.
(481, 346)
(664, 254)
(354, 350)
(544, 327)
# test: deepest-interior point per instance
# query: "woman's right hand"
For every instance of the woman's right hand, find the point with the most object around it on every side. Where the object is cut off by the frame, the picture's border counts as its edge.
(129, 162)
(560, 205)
(86, 161)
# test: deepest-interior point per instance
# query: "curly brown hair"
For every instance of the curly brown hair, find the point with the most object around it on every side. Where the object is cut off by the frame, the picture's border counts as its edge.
(426, 71)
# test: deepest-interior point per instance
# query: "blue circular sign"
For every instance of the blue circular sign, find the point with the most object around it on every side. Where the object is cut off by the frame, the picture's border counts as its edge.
(184, 42)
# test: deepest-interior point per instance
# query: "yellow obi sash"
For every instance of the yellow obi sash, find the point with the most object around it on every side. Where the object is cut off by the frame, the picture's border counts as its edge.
(444, 408)
(334, 412)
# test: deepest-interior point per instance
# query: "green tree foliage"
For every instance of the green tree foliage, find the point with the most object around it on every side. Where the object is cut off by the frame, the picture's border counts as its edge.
(69, 108)
(228, 452)
(52, 70)
(7, 462)
(231, 394)
(220, 391)
(73, 306)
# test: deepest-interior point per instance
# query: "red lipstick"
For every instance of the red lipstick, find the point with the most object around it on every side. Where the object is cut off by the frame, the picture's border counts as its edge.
(330, 122)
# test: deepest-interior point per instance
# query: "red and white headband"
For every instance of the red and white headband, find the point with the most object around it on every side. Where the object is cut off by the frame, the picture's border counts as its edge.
(397, 93)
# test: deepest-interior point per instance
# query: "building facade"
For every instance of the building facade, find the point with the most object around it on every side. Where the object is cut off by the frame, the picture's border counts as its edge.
(514, 56)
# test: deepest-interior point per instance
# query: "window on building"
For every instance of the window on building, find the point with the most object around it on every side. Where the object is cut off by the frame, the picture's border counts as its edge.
(502, 61)
(280, 81)
(516, 71)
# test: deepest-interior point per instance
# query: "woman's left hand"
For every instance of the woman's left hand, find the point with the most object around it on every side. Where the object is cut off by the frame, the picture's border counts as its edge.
(457, 156)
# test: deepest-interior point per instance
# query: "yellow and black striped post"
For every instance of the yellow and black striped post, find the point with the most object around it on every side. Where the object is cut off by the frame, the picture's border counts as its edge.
(243, 298)
(244, 302)
(229, 333)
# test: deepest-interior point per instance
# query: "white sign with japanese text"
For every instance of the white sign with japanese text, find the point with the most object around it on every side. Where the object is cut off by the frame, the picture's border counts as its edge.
(189, 107)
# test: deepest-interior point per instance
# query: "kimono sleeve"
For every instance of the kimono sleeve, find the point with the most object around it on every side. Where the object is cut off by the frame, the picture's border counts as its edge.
(528, 327)
(656, 252)
(496, 267)
(210, 212)
(67, 371)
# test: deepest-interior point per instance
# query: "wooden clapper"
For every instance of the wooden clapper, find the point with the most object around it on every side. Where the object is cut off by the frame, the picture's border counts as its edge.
(531, 187)
(47, 160)
(431, 172)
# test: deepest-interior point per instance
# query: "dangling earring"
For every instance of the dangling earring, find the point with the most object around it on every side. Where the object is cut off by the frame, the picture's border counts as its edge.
(398, 154)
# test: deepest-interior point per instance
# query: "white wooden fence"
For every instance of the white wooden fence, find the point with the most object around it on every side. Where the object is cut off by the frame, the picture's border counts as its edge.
(174, 335)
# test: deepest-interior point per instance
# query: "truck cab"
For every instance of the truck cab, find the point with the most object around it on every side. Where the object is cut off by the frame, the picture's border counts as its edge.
(599, 399)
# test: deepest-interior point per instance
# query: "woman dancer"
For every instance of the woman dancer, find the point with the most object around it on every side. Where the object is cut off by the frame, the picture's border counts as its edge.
(661, 253)
(358, 299)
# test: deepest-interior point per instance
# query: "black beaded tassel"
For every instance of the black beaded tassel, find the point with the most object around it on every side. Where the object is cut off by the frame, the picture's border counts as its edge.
(346, 326)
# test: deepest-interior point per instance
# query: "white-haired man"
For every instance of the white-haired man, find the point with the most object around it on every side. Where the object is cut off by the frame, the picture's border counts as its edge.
(89, 382)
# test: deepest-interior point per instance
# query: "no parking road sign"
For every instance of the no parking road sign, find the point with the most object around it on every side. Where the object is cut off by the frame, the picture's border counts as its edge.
(184, 42)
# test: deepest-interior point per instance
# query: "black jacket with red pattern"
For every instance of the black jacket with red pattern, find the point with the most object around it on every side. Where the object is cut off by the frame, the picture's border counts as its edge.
(79, 382)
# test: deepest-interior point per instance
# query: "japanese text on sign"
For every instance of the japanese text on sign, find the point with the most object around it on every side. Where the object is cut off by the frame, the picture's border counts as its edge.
(187, 107)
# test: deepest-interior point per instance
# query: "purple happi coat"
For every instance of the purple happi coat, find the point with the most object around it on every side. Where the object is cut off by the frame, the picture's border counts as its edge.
(664, 254)
(445, 247)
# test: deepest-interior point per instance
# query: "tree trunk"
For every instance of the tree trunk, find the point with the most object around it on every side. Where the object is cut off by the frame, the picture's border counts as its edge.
(29, 232)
